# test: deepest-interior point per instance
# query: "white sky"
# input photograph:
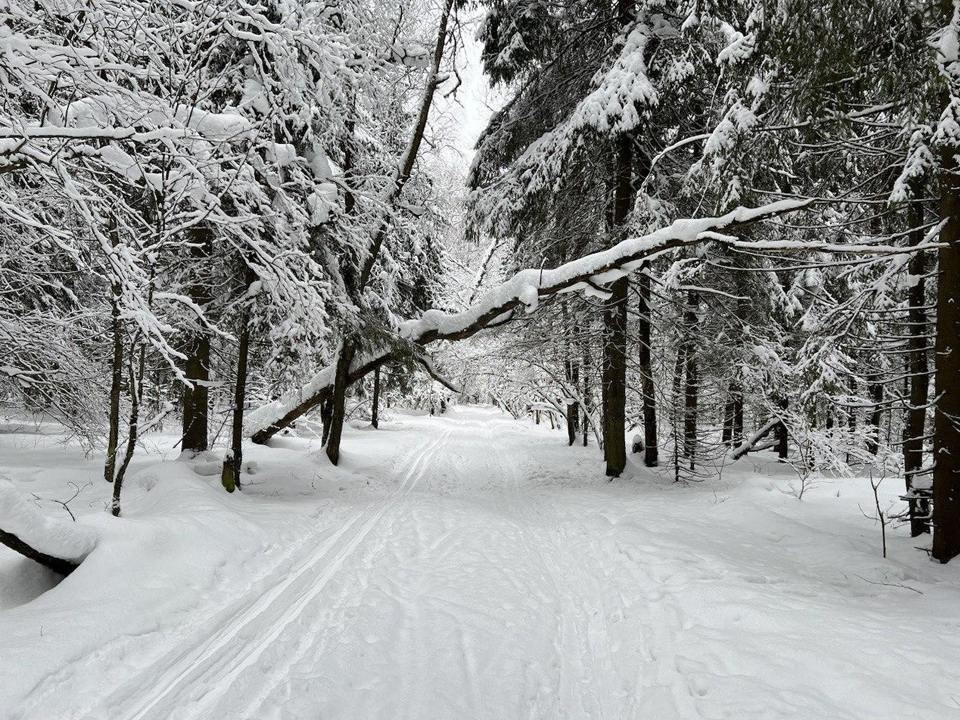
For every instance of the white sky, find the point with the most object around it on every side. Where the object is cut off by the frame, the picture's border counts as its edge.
(465, 115)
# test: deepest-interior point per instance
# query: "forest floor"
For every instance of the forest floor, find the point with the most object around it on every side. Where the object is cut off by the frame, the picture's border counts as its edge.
(469, 566)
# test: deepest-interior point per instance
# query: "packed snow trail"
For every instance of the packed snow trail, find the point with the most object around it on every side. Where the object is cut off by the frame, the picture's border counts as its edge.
(491, 573)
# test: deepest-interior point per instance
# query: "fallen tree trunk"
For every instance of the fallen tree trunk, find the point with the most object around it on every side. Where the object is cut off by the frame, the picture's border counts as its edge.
(58, 565)
(590, 274)
(60, 546)
(750, 443)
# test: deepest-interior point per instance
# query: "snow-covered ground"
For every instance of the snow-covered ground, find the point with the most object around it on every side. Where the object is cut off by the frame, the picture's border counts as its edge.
(469, 566)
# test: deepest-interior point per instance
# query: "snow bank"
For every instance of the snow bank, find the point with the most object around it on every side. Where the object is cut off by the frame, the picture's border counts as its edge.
(67, 540)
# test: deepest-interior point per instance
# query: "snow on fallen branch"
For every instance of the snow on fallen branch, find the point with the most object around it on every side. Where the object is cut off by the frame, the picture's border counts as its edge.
(525, 289)
(750, 444)
(58, 545)
(498, 305)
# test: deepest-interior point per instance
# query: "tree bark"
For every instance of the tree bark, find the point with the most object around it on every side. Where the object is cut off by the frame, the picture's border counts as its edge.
(133, 429)
(738, 417)
(615, 379)
(946, 433)
(614, 371)
(876, 395)
(587, 400)
(375, 405)
(339, 401)
(650, 450)
(116, 381)
(196, 394)
(691, 390)
(573, 408)
(917, 376)
(727, 435)
(58, 565)
(240, 389)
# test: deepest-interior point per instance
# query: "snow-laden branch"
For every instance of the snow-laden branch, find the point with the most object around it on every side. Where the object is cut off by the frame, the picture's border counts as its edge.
(523, 291)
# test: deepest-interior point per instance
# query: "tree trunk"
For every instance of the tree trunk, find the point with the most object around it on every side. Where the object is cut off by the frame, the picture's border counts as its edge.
(691, 395)
(587, 399)
(650, 453)
(876, 395)
(339, 400)
(326, 415)
(677, 402)
(133, 429)
(116, 381)
(571, 368)
(727, 435)
(737, 415)
(782, 436)
(615, 379)
(573, 408)
(946, 433)
(58, 565)
(375, 404)
(917, 377)
(240, 391)
(196, 393)
(409, 157)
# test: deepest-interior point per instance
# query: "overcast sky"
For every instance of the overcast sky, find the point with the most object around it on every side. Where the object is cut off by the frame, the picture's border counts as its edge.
(466, 115)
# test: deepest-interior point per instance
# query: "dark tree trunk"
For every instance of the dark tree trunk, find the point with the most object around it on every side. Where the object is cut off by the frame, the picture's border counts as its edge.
(196, 394)
(677, 401)
(571, 368)
(614, 372)
(326, 415)
(338, 405)
(691, 394)
(58, 565)
(133, 429)
(375, 404)
(615, 379)
(727, 436)
(917, 377)
(876, 395)
(587, 400)
(116, 382)
(946, 433)
(781, 433)
(650, 452)
(737, 415)
(240, 392)
(782, 447)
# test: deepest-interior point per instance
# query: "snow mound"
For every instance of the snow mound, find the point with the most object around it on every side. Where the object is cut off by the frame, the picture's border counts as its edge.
(68, 540)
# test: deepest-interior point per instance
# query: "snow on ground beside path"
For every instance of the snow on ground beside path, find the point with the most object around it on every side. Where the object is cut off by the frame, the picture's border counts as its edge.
(469, 566)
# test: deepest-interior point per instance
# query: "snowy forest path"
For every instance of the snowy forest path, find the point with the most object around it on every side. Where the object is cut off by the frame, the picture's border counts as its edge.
(478, 568)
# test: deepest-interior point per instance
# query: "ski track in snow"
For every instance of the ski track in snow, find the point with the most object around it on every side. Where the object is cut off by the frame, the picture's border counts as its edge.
(477, 586)
(191, 683)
